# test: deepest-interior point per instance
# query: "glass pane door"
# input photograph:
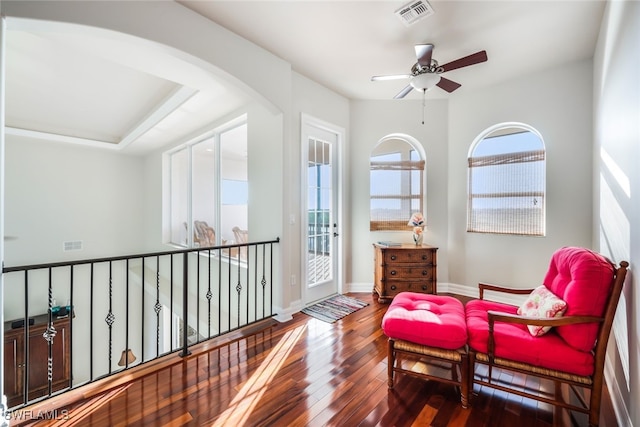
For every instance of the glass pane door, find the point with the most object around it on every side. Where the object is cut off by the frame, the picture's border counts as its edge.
(319, 232)
(320, 214)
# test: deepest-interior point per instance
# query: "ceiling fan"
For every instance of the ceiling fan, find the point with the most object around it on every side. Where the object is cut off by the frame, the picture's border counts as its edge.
(425, 74)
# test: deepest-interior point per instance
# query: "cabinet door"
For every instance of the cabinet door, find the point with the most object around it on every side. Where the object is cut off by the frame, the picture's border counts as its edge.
(38, 360)
(13, 368)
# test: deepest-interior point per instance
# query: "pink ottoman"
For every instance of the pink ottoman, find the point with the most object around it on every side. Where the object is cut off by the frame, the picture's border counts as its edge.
(430, 328)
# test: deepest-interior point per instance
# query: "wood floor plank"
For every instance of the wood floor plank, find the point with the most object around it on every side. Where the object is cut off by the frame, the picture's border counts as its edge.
(302, 373)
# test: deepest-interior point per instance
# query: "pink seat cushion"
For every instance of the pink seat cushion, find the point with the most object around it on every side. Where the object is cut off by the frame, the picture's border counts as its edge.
(516, 343)
(431, 320)
(583, 279)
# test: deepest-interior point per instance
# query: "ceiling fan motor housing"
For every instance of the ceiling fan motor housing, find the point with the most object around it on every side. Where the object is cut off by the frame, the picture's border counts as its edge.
(432, 68)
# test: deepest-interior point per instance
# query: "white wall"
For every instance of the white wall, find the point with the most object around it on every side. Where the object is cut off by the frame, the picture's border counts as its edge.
(317, 101)
(370, 122)
(558, 104)
(616, 225)
(57, 193)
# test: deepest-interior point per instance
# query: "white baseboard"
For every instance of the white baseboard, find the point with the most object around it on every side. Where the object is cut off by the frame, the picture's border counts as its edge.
(285, 315)
(454, 288)
(451, 288)
(359, 287)
(622, 413)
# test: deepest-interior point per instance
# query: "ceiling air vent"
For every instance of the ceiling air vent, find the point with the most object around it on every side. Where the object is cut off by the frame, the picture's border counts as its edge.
(412, 12)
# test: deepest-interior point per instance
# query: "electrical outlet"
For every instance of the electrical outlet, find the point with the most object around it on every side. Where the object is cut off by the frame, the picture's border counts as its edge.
(292, 280)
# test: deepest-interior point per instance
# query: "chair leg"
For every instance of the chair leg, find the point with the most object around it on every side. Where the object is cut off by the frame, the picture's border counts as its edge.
(594, 404)
(471, 371)
(464, 381)
(391, 356)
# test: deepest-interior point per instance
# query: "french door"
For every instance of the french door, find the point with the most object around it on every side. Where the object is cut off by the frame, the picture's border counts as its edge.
(321, 245)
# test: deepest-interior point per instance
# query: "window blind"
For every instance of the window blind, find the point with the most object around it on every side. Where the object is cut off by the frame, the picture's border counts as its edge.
(396, 193)
(507, 193)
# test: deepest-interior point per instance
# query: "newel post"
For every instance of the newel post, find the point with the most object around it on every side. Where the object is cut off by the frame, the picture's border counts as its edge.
(185, 305)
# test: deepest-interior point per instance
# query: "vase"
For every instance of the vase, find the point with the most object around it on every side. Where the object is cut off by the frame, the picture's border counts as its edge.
(417, 237)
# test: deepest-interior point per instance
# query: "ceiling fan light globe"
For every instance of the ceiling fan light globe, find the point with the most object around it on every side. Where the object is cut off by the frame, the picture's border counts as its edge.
(425, 81)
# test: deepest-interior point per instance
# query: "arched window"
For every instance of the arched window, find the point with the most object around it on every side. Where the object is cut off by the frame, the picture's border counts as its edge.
(507, 181)
(397, 182)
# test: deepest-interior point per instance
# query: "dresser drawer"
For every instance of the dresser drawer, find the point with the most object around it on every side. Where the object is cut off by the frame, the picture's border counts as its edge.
(423, 256)
(400, 272)
(394, 288)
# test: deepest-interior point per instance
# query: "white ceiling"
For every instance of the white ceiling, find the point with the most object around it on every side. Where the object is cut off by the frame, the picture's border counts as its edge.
(91, 89)
(341, 44)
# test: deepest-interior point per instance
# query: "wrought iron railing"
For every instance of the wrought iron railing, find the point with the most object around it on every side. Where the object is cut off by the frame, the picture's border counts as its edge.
(140, 306)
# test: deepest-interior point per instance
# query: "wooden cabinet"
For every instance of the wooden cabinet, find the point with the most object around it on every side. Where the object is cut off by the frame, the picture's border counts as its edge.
(15, 359)
(406, 267)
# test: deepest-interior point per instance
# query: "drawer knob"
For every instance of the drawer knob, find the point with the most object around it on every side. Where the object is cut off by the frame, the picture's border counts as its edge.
(393, 272)
(393, 257)
(393, 287)
(424, 287)
(425, 272)
(424, 257)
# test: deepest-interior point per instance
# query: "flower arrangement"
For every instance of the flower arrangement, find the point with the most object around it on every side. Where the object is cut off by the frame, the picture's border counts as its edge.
(417, 222)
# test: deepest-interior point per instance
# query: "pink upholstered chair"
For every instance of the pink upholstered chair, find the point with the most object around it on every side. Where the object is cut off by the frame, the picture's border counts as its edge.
(560, 333)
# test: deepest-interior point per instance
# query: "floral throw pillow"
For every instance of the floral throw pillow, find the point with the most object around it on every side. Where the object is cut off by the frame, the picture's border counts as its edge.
(542, 303)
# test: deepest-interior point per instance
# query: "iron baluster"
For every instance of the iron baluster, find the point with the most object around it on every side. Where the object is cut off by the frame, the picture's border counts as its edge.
(209, 295)
(142, 314)
(157, 307)
(91, 323)
(263, 281)
(111, 318)
(126, 314)
(49, 334)
(238, 287)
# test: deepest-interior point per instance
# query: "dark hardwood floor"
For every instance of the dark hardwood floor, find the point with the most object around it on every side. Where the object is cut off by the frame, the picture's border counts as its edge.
(301, 373)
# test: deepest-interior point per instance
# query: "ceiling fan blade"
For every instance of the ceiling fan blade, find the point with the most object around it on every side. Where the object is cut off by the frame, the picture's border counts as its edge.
(390, 77)
(448, 85)
(423, 53)
(403, 92)
(472, 59)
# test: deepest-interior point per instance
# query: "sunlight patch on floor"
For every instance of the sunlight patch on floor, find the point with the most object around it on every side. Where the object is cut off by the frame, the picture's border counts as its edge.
(250, 394)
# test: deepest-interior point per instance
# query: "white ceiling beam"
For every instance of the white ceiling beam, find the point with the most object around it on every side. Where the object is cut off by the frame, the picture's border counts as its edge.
(162, 110)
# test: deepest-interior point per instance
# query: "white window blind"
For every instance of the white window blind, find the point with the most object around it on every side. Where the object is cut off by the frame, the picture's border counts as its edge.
(507, 186)
(396, 191)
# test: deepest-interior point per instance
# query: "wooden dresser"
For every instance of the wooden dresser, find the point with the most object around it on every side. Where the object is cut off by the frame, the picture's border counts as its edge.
(406, 267)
